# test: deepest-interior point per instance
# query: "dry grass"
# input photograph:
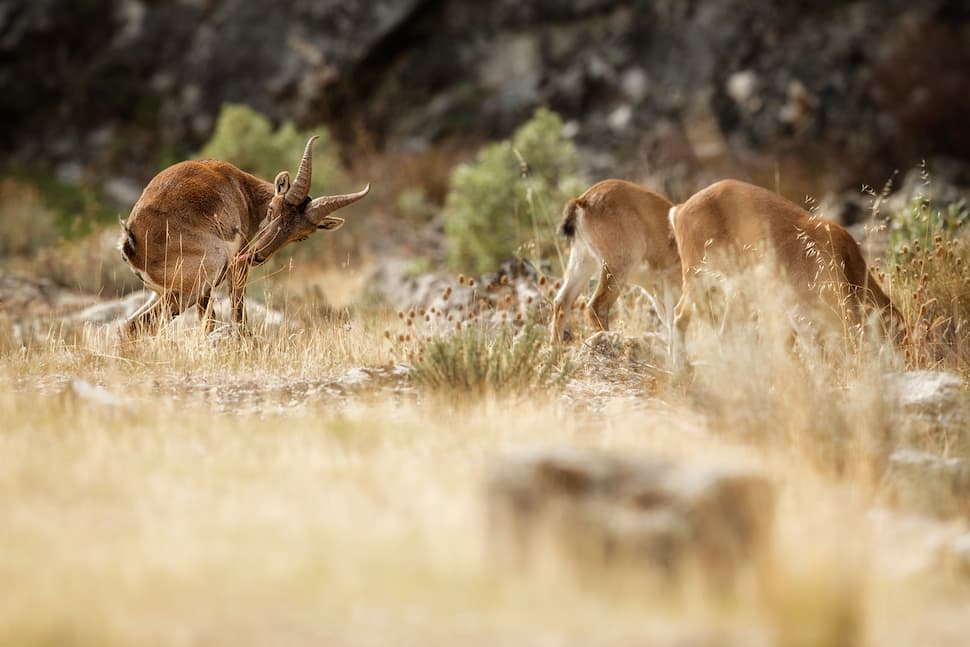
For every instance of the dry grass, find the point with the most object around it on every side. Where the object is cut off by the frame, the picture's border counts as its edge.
(242, 491)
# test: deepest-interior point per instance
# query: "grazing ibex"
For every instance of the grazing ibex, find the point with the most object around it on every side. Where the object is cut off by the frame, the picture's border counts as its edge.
(738, 222)
(198, 223)
(614, 226)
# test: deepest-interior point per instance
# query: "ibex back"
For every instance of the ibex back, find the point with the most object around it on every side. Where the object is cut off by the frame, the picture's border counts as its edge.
(820, 260)
(199, 223)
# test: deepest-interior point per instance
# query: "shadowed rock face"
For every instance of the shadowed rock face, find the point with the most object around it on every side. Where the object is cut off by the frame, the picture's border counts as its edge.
(856, 88)
(647, 517)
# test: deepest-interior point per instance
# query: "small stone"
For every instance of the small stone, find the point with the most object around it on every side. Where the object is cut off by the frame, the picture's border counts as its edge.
(741, 86)
(621, 117)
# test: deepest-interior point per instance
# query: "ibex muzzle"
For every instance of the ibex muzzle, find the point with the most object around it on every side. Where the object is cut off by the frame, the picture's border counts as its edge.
(198, 223)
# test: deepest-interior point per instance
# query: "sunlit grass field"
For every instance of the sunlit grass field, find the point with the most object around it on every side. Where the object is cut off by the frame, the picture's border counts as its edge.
(264, 489)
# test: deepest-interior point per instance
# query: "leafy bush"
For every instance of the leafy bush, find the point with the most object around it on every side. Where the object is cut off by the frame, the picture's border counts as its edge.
(246, 138)
(508, 200)
(472, 360)
(26, 223)
(920, 224)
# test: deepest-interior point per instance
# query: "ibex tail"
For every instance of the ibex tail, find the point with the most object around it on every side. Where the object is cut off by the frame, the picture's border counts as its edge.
(128, 247)
(568, 226)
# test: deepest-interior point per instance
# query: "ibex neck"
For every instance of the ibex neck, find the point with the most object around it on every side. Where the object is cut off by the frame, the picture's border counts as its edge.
(258, 194)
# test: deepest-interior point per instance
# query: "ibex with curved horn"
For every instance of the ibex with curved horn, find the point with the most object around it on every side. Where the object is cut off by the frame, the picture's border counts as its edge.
(198, 223)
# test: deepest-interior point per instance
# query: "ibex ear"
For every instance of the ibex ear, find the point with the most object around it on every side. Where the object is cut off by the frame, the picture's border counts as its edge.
(282, 183)
(330, 223)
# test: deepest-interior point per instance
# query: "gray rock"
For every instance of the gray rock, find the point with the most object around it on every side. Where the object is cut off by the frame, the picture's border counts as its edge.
(933, 409)
(929, 393)
(119, 309)
(928, 484)
(122, 191)
(100, 396)
(648, 516)
(113, 310)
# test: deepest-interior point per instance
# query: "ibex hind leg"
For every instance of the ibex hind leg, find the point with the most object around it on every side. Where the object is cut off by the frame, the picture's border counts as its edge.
(612, 279)
(581, 266)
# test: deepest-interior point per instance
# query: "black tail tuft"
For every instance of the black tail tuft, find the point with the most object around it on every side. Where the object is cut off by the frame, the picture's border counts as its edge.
(128, 246)
(568, 226)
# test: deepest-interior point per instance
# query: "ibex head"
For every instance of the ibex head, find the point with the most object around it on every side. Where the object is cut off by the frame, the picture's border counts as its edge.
(292, 215)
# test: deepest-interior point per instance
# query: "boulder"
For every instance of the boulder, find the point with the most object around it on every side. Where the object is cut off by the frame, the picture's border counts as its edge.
(933, 410)
(648, 517)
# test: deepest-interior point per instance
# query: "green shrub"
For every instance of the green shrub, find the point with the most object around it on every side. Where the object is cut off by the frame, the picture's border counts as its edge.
(246, 138)
(921, 222)
(929, 261)
(509, 199)
(475, 362)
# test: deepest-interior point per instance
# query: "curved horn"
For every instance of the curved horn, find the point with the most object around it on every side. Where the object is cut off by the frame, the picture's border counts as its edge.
(321, 207)
(301, 185)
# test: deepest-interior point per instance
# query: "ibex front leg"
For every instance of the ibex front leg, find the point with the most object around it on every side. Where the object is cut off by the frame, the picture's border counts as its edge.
(238, 277)
(204, 308)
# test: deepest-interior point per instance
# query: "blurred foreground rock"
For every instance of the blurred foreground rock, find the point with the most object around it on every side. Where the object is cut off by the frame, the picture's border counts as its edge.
(930, 473)
(649, 518)
(929, 484)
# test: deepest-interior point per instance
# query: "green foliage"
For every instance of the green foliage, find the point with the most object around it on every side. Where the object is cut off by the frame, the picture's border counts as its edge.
(508, 200)
(247, 139)
(921, 222)
(473, 361)
(929, 266)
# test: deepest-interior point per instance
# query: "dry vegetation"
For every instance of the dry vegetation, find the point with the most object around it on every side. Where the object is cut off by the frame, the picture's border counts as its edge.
(321, 480)
(264, 489)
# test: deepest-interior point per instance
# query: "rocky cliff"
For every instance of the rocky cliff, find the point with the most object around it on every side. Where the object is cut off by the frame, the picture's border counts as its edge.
(829, 91)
